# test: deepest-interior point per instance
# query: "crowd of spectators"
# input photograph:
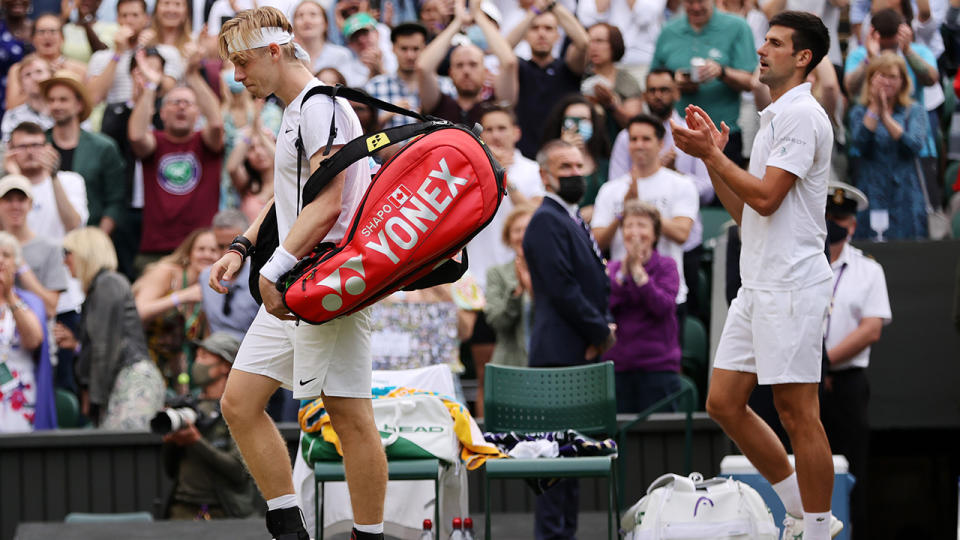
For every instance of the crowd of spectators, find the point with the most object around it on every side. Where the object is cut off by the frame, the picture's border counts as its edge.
(132, 157)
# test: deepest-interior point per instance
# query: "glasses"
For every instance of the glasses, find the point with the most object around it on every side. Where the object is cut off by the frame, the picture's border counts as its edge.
(28, 146)
(179, 103)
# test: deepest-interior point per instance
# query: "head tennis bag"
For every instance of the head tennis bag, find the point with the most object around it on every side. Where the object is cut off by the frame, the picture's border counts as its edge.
(420, 210)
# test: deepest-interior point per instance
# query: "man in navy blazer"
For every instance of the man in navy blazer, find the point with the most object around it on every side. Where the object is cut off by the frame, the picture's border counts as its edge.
(571, 320)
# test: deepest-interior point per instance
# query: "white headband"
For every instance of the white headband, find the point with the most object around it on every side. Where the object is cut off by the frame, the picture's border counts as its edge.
(268, 35)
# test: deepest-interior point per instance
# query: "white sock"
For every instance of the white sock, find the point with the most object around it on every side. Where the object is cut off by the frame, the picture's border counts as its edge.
(376, 528)
(789, 492)
(816, 526)
(283, 501)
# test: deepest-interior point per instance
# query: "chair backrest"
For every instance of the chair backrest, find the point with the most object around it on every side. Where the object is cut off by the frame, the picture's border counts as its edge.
(82, 517)
(713, 220)
(582, 398)
(68, 409)
(694, 340)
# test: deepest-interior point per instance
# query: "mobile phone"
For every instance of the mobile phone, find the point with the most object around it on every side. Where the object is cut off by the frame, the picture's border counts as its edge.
(571, 123)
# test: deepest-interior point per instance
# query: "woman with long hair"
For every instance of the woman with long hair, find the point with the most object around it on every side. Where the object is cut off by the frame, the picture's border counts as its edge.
(121, 386)
(250, 166)
(888, 129)
(310, 31)
(169, 302)
(578, 122)
(170, 25)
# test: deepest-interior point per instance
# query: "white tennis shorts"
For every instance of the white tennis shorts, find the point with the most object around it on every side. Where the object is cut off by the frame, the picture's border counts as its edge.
(333, 358)
(776, 334)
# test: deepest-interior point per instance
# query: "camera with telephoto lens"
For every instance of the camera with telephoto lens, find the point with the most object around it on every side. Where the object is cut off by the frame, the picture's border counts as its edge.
(178, 414)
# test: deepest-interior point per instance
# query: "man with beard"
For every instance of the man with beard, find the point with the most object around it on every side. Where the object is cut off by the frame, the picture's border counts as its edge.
(543, 79)
(91, 155)
(181, 165)
(466, 70)
(401, 89)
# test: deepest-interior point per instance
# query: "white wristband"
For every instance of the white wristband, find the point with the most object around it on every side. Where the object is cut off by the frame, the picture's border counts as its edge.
(280, 262)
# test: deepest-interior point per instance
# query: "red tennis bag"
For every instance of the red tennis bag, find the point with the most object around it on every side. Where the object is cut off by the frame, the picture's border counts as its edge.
(420, 210)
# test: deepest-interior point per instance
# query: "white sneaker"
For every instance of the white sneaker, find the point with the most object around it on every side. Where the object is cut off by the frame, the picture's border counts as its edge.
(793, 527)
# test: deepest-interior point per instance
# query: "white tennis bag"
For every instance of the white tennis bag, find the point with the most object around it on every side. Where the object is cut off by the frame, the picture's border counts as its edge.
(689, 507)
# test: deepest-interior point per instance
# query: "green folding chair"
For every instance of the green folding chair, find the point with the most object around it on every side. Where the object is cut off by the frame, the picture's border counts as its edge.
(68, 408)
(529, 400)
(713, 220)
(398, 469)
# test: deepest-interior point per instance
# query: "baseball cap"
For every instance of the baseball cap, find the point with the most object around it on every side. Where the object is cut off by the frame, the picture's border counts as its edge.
(16, 181)
(222, 344)
(356, 22)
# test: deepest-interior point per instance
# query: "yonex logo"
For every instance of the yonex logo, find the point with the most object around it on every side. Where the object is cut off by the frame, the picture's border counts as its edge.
(354, 285)
(376, 141)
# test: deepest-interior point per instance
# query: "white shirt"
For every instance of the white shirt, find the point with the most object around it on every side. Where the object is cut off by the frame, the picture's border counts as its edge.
(674, 194)
(44, 218)
(639, 25)
(683, 163)
(121, 90)
(487, 249)
(860, 292)
(785, 251)
(317, 112)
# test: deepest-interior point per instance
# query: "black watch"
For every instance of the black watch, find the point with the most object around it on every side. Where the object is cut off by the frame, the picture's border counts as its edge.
(242, 240)
(723, 72)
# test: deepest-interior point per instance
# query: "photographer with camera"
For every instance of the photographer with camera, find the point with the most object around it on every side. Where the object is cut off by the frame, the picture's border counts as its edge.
(210, 479)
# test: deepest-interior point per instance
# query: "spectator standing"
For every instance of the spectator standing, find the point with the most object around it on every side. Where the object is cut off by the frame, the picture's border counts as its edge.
(121, 387)
(543, 79)
(33, 69)
(466, 70)
(87, 34)
(673, 194)
(250, 166)
(233, 311)
(860, 309)
(609, 86)
(369, 57)
(15, 30)
(888, 131)
(640, 22)
(509, 294)
(169, 301)
(409, 40)
(210, 479)
(59, 197)
(571, 322)
(93, 156)
(310, 31)
(576, 121)
(643, 292)
(181, 164)
(712, 56)
(170, 25)
(26, 400)
(660, 97)
(47, 40)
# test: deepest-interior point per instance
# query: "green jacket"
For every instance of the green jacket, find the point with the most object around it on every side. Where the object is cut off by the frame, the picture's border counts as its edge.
(505, 313)
(98, 160)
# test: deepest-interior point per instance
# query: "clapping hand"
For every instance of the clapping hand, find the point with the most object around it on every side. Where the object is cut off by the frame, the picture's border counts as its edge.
(701, 137)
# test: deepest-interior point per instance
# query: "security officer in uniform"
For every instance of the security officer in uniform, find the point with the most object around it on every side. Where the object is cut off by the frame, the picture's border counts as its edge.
(859, 309)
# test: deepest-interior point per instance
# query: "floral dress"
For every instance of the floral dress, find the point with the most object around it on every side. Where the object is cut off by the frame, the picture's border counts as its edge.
(18, 396)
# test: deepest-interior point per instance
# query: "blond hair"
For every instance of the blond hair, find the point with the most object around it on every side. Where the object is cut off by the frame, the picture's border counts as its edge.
(515, 214)
(92, 252)
(884, 61)
(185, 29)
(245, 27)
(10, 241)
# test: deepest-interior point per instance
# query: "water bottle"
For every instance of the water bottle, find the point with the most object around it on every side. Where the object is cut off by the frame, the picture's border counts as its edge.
(457, 533)
(427, 533)
(468, 529)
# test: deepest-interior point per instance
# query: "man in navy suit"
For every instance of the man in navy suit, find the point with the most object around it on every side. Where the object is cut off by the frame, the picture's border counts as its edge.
(571, 321)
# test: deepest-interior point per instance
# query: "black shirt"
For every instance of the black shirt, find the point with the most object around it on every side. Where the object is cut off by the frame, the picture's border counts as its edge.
(539, 90)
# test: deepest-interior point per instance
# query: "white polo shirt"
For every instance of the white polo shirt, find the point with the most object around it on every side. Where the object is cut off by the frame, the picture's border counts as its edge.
(860, 292)
(785, 251)
(674, 195)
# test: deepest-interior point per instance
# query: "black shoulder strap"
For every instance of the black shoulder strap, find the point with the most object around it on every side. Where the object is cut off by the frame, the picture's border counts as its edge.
(361, 148)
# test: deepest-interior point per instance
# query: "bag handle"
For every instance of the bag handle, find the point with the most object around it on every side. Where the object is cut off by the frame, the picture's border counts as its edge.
(680, 483)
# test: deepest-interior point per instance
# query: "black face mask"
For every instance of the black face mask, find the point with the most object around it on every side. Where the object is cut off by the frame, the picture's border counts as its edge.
(836, 233)
(572, 188)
